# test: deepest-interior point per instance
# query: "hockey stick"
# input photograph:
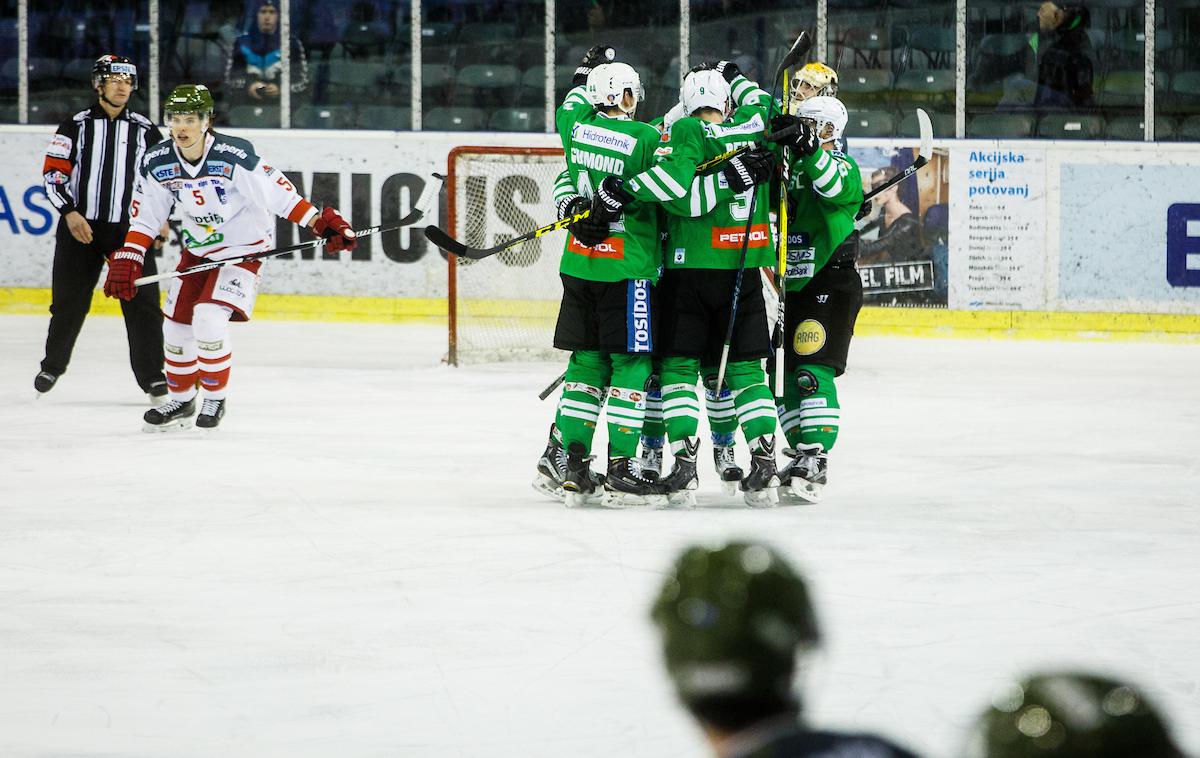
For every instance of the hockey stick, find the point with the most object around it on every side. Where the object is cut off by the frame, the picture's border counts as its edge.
(421, 210)
(924, 153)
(553, 386)
(798, 51)
(209, 266)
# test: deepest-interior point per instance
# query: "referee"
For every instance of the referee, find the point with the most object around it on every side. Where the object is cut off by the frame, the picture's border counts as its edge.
(89, 171)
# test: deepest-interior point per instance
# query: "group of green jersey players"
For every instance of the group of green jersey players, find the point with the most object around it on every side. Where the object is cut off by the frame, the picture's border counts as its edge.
(649, 278)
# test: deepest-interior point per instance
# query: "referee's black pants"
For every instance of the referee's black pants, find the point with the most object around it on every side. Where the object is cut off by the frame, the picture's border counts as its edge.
(73, 280)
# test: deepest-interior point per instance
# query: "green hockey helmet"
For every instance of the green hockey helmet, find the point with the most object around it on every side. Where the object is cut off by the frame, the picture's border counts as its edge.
(1070, 715)
(733, 619)
(189, 98)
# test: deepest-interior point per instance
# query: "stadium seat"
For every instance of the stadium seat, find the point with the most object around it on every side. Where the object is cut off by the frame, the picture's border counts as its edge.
(321, 117)
(936, 44)
(925, 84)
(1134, 128)
(255, 116)
(518, 120)
(79, 70)
(942, 123)
(1185, 94)
(1010, 125)
(870, 123)
(357, 77)
(1189, 129)
(864, 86)
(1071, 126)
(384, 118)
(533, 87)
(1121, 89)
(868, 43)
(454, 119)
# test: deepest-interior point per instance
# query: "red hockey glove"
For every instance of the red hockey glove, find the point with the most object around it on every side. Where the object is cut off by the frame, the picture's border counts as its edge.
(334, 228)
(124, 266)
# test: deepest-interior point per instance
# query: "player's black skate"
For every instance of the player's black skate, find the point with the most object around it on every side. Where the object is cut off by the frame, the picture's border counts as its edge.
(171, 415)
(728, 471)
(759, 487)
(211, 413)
(680, 485)
(805, 475)
(44, 382)
(552, 467)
(579, 485)
(626, 486)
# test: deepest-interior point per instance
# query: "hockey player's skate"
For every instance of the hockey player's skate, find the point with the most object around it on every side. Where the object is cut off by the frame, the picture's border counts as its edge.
(580, 484)
(805, 475)
(211, 413)
(759, 487)
(652, 457)
(552, 467)
(170, 416)
(728, 471)
(626, 486)
(44, 382)
(680, 485)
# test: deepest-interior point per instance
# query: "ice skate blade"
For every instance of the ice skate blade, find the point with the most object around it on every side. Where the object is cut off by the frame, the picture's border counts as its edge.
(681, 499)
(768, 498)
(546, 486)
(171, 426)
(729, 489)
(617, 499)
(801, 492)
(582, 499)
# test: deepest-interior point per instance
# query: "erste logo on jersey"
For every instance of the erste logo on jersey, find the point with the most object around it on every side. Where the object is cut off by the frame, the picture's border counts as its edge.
(596, 136)
(169, 171)
(219, 168)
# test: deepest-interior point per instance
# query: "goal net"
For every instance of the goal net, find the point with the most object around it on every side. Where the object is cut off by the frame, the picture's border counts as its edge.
(503, 308)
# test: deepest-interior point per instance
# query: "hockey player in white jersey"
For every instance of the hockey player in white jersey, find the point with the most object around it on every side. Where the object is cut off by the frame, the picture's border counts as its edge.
(228, 198)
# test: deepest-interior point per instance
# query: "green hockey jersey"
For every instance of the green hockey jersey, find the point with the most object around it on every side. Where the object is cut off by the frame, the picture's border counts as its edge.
(705, 229)
(824, 193)
(597, 146)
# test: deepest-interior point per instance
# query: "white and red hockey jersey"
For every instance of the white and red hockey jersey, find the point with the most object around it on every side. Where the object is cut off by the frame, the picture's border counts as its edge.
(227, 201)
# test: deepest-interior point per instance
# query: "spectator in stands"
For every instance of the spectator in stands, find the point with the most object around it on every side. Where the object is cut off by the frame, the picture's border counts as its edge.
(736, 623)
(254, 72)
(899, 237)
(1063, 55)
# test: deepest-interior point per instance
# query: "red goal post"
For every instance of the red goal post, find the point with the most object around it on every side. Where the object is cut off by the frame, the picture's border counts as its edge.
(502, 308)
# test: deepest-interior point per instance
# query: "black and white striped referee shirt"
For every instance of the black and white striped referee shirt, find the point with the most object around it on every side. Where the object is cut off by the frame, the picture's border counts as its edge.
(92, 161)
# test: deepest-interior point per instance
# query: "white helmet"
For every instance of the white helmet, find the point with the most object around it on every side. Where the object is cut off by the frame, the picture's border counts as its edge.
(828, 113)
(606, 85)
(704, 89)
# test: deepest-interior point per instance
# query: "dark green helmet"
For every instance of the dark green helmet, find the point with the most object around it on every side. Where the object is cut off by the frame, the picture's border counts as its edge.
(733, 619)
(190, 98)
(1071, 715)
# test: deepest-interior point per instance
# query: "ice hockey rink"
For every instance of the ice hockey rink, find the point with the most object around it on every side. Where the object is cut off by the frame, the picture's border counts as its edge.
(355, 564)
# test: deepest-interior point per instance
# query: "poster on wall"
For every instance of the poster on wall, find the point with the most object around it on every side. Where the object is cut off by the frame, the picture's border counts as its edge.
(998, 227)
(904, 239)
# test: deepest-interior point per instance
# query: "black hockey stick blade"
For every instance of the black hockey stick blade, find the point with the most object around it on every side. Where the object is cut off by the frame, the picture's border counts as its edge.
(797, 52)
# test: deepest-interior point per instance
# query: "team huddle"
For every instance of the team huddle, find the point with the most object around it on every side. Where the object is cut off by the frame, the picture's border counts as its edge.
(654, 304)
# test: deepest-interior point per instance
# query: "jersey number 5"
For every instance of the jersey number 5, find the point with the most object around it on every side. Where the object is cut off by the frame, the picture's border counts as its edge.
(199, 197)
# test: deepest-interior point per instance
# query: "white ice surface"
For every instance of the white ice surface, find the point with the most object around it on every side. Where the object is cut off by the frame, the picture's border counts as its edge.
(355, 565)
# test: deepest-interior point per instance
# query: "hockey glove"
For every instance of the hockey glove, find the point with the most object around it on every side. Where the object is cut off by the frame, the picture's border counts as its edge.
(729, 70)
(594, 57)
(589, 231)
(795, 133)
(749, 169)
(124, 266)
(705, 66)
(610, 199)
(334, 228)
